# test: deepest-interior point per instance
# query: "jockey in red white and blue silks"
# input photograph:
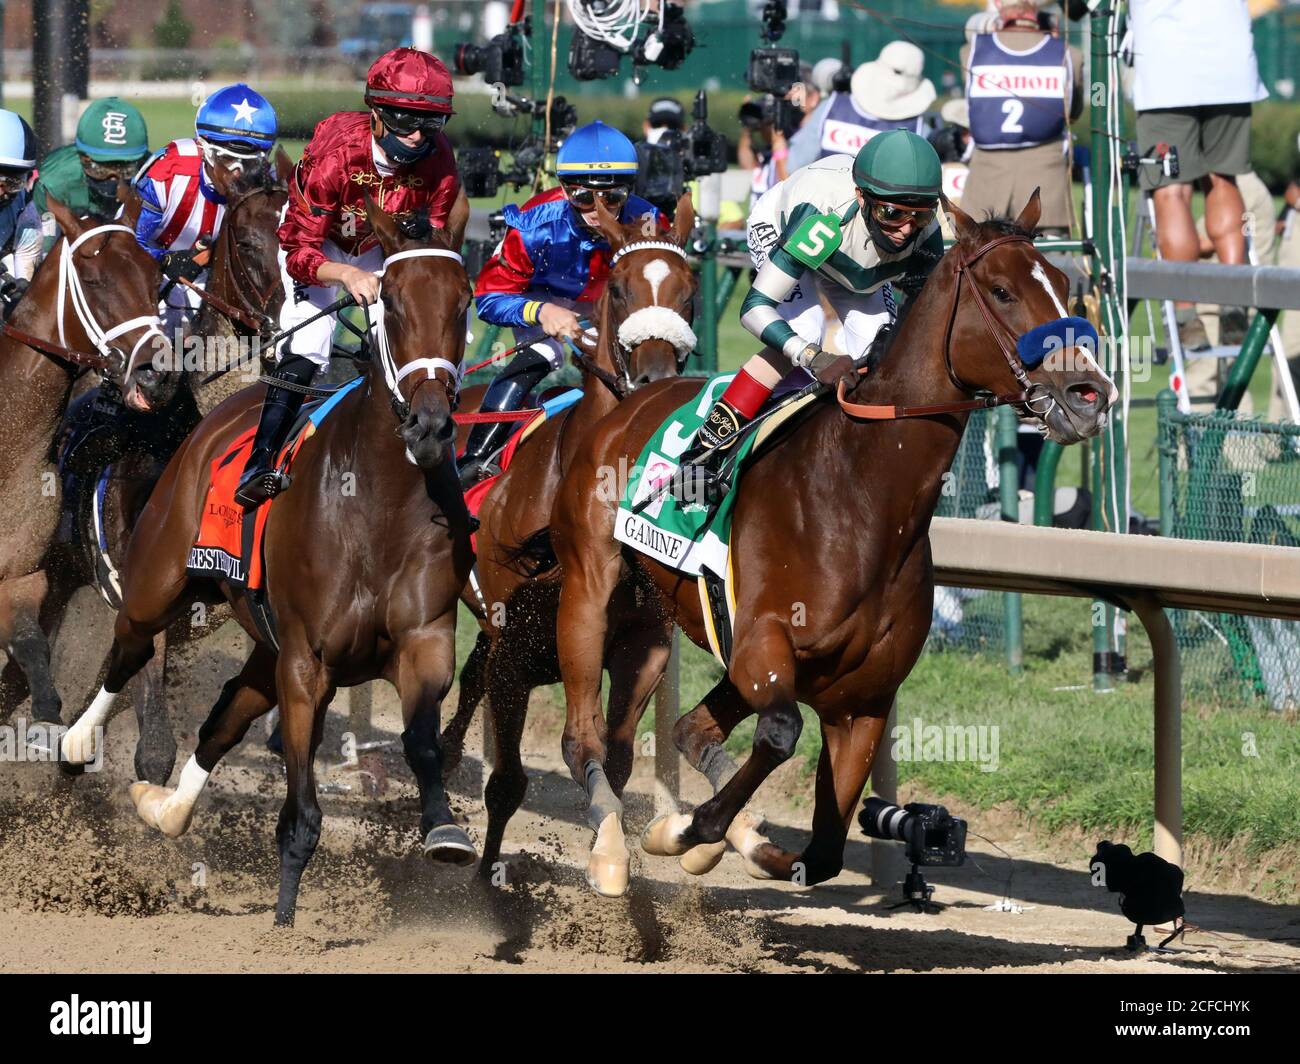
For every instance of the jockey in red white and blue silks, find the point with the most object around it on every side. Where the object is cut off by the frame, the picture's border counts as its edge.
(549, 270)
(182, 211)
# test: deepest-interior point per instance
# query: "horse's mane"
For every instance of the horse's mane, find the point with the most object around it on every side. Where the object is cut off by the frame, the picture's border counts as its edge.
(1004, 226)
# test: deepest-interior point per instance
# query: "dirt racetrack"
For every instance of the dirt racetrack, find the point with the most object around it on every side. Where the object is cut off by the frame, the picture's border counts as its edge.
(86, 887)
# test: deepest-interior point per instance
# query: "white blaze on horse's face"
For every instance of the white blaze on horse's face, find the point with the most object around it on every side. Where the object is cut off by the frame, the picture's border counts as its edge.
(1082, 353)
(654, 272)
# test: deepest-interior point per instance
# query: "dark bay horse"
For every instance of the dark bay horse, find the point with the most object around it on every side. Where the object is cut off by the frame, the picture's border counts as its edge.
(363, 582)
(834, 581)
(643, 320)
(93, 304)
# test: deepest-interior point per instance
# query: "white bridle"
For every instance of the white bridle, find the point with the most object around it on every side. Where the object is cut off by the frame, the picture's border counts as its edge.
(70, 287)
(393, 374)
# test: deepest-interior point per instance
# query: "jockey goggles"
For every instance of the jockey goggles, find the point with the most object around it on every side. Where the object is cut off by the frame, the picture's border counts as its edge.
(12, 182)
(235, 149)
(116, 171)
(583, 197)
(404, 123)
(893, 216)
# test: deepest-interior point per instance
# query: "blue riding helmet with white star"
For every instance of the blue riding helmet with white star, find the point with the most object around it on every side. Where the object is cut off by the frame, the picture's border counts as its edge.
(237, 115)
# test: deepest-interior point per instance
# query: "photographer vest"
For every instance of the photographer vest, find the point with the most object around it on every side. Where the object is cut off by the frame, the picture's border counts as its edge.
(1018, 99)
(845, 127)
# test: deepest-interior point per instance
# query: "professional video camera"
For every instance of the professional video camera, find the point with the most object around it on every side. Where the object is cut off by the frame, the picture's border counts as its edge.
(771, 69)
(477, 252)
(501, 60)
(480, 169)
(773, 72)
(663, 169)
(663, 39)
(934, 838)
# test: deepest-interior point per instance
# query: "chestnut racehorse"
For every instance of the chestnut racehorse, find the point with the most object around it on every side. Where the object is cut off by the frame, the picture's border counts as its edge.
(643, 319)
(833, 576)
(365, 558)
(93, 304)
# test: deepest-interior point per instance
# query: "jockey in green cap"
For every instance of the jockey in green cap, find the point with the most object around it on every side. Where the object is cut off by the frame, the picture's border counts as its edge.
(112, 143)
(843, 228)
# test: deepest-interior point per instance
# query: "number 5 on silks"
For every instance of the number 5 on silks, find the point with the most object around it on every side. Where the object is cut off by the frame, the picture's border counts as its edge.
(816, 240)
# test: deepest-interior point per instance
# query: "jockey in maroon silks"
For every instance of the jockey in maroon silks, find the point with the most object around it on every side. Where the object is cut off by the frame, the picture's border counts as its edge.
(398, 155)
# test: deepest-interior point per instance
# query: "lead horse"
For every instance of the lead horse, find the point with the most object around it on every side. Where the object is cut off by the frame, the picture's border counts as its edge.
(833, 576)
(363, 583)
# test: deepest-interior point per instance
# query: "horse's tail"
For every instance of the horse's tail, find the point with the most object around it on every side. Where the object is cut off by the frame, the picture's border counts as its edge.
(535, 555)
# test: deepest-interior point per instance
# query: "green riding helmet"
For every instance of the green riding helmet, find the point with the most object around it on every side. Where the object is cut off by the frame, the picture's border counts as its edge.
(112, 131)
(900, 167)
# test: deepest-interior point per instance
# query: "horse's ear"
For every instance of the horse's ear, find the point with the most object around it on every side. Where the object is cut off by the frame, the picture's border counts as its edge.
(131, 203)
(609, 225)
(963, 225)
(1028, 219)
(457, 220)
(684, 220)
(390, 237)
(283, 166)
(68, 221)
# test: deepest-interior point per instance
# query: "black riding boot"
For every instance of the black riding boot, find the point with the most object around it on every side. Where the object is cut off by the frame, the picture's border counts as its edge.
(507, 392)
(261, 480)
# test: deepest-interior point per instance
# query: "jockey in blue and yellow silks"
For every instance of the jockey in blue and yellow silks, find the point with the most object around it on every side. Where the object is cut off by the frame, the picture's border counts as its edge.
(549, 270)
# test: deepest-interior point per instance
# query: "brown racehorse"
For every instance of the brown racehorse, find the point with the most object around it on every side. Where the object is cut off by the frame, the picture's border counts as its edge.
(648, 302)
(363, 583)
(834, 581)
(93, 303)
(241, 302)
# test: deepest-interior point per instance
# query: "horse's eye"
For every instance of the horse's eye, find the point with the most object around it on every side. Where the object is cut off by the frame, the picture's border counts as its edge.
(1001, 294)
(616, 292)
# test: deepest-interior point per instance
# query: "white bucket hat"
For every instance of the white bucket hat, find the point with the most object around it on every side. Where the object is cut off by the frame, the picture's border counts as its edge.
(956, 112)
(891, 87)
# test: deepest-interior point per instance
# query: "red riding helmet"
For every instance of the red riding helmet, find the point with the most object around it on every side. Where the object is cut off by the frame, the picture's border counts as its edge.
(410, 80)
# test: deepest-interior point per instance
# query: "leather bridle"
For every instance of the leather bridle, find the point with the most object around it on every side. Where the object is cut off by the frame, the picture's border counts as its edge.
(1030, 392)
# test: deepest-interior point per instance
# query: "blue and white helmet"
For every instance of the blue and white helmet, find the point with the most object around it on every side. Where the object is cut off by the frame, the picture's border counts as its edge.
(17, 143)
(236, 122)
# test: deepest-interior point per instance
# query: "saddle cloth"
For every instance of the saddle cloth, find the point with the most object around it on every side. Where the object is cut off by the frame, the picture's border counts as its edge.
(550, 408)
(692, 537)
(229, 547)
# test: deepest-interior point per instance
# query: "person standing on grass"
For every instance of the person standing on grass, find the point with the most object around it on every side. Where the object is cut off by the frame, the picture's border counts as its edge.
(1196, 78)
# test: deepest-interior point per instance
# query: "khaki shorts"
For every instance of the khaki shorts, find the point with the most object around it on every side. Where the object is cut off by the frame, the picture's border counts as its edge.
(1213, 139)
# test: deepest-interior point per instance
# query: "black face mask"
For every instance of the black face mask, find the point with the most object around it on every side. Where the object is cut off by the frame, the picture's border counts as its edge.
(103, 194)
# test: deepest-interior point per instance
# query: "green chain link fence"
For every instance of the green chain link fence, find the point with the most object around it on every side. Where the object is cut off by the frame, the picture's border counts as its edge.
(966, 619)
(1232, 480)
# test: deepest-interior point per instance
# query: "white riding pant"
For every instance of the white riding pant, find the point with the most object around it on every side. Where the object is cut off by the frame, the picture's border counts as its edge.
(316, 340)
(180, 305)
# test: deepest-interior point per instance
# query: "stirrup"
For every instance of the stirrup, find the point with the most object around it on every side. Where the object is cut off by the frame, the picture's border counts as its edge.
(263, 485)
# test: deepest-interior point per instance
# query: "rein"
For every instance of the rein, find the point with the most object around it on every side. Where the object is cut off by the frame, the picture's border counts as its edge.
(1023, 398)
(255, 320)
(110, 357)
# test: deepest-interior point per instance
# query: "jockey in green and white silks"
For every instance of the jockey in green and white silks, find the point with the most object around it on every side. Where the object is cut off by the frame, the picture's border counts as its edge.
(845, 227)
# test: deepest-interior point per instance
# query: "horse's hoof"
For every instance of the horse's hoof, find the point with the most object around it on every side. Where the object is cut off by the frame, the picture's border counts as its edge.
(151, 802)
(663, 835)
(702, 858)
(743, 834)
(77, 747)
(607, 868)
(450, 844)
